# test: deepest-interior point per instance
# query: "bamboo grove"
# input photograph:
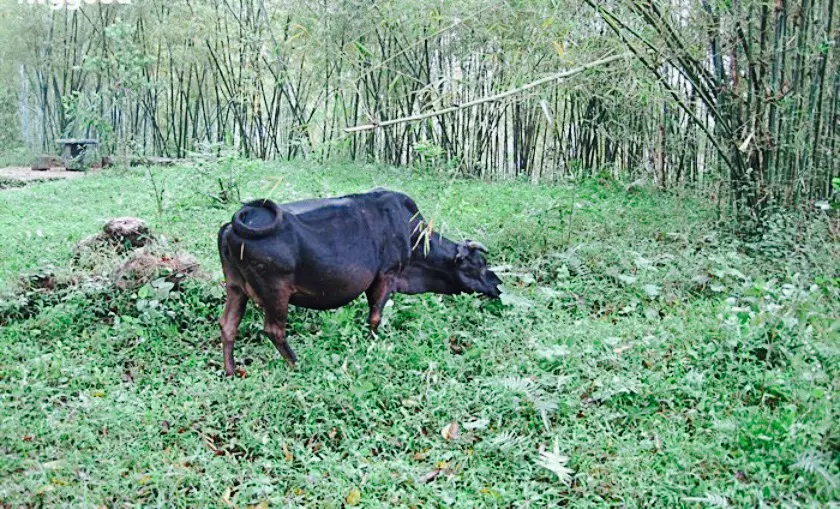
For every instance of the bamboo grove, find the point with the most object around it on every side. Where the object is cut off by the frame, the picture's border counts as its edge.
(738, 98)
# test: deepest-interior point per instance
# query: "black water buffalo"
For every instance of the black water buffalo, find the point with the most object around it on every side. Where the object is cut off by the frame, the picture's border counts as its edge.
(322, 254)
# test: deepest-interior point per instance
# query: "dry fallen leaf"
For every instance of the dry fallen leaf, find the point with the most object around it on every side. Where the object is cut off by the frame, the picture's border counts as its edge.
(45, 489)
(743, 146)
(226, 497)
(477, 424)
(261, 505)
(287, 453)
(410, 403)
(430, 476)
(354, 497)
(52, 465)
(451, 431)
(621, 349)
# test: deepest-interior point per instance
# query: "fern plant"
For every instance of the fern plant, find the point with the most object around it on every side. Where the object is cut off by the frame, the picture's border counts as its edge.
(711, 500)
(812, 462)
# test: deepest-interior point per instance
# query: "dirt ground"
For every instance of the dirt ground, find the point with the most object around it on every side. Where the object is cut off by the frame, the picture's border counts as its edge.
(26, 174)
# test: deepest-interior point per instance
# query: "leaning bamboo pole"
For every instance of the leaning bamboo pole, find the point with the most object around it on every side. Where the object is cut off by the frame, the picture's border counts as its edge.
(492, 98)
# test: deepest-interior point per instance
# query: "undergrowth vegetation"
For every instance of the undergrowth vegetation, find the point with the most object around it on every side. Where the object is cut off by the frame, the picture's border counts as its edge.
(637, 344)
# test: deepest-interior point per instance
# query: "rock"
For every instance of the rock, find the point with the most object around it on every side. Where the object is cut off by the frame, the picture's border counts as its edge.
(144, 267)
(45, 162)
(104, 162)
(121, 235)
(128, 229)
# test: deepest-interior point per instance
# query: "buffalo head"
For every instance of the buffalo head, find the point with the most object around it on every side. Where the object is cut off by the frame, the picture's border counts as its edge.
(471, 270)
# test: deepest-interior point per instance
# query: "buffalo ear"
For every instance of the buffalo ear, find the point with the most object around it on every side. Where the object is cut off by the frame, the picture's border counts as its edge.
(463, 251)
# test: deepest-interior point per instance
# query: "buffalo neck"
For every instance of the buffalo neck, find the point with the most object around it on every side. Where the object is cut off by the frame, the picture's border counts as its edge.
(439, 255)
(431, 270)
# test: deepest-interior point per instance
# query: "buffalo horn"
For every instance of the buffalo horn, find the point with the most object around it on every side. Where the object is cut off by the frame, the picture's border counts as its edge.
(477, 245)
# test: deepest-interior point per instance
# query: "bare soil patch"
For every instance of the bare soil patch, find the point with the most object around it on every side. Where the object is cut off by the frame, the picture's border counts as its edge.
(26, 174)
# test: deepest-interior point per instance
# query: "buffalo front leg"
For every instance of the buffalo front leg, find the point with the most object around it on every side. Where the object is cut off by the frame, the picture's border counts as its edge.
(229, 322)
(377, 296)
(275, 326)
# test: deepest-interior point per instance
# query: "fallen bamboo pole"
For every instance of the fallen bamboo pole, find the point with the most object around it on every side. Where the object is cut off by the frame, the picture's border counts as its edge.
(491, 98)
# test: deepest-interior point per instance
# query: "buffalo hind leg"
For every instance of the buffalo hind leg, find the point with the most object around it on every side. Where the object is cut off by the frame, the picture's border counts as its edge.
(377, 296)
(229, 322)
(275, 326)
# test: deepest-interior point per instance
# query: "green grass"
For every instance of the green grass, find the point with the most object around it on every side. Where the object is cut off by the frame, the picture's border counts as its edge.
(670, 363)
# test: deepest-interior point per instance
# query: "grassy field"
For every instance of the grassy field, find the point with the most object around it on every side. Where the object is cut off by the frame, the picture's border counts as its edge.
(671, 364)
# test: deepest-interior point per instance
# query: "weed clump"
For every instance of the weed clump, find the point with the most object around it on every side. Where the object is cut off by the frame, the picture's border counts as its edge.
(124, 256)
(7, 183)
(122, 233)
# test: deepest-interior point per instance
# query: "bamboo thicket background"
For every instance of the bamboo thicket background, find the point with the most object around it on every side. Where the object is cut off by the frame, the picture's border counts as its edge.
(737, 97)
